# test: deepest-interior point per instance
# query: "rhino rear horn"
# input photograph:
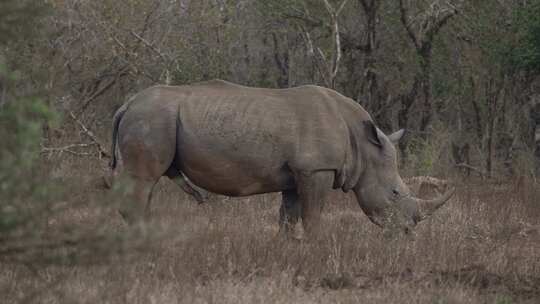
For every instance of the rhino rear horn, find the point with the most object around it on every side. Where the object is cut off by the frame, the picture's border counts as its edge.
(428, 207)
(396, 136)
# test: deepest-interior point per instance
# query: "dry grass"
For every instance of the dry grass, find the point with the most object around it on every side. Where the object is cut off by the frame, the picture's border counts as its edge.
(483, 247)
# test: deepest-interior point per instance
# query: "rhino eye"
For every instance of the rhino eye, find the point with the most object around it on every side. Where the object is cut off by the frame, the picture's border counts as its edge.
(395, 192)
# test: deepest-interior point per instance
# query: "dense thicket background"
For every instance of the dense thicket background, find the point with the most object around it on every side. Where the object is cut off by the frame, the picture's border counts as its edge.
(463, 77)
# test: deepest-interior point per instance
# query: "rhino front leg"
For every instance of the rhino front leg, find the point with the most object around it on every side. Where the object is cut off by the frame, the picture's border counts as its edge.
(313, 189)
(289, 212)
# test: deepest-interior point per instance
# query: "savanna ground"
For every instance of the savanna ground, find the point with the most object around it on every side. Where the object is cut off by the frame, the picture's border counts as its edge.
(482, 247)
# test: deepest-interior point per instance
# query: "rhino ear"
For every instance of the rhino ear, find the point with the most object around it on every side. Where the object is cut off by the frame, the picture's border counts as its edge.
(396, 136)
(372, 133)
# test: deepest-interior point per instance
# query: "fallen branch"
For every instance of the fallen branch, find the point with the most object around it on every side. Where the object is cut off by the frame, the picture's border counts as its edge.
(90, 134)
(66, 149)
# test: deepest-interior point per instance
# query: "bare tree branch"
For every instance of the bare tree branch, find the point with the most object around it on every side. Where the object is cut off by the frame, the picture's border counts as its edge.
(433, 20)
(164, 57)
(439, 23)
(320, 62)
(407, 24)
(328, 65)
(338, 12)
(91, 135)
(123, 71)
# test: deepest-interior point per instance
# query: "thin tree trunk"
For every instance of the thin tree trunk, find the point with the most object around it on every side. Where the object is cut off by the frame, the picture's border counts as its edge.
(427, 107)
(422, 39)
(281, 60)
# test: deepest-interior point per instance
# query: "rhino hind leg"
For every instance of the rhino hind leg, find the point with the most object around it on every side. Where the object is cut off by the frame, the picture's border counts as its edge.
(289, 212)
(178, 178)
(313, 189)
(144, 165)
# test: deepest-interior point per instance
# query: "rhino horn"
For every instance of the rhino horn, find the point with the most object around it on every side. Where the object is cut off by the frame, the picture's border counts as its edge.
(428, 207)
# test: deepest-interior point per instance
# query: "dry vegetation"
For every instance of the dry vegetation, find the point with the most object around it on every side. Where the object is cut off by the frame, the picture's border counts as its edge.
(483, 247)
(462, 76)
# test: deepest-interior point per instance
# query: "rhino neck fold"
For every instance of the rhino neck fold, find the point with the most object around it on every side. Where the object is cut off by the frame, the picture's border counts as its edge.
(354, 163)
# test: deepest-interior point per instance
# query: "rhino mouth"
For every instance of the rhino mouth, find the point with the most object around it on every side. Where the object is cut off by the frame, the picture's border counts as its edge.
(376, 220)
(393, 219)
(403, 214)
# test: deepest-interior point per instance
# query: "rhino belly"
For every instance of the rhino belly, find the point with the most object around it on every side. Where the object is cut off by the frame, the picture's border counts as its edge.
(231, 171)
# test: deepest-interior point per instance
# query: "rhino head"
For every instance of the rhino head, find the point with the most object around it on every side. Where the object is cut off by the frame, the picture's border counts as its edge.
(381, 192)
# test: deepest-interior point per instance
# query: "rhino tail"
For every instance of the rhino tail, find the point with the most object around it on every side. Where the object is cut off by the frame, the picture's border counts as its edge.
(116, 123)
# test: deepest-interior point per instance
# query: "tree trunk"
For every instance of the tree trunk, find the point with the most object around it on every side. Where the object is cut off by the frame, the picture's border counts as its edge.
(281, 59)
(427, 107)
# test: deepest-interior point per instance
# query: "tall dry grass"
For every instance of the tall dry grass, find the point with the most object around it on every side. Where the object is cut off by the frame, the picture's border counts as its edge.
(482, 247)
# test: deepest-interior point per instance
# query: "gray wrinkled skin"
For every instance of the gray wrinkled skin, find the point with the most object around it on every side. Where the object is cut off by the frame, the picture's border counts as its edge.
(239, 141)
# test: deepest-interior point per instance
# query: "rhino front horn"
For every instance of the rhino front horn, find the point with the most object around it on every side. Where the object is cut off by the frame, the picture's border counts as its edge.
(427, 207)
